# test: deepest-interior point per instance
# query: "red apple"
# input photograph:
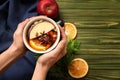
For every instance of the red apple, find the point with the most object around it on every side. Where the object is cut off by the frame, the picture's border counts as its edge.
(48, 7)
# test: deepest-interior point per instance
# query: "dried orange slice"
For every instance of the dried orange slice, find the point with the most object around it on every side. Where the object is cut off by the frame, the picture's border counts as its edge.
(78, 68)
(70, 30)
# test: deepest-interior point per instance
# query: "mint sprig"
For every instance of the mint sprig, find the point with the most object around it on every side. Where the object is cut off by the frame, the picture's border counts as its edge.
(73, 47)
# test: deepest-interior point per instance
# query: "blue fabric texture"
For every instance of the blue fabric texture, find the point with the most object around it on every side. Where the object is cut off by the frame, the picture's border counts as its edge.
(12, 12)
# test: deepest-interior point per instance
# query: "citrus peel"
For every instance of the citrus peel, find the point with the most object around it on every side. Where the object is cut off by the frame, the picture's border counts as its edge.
(70, 30)
(78, 68)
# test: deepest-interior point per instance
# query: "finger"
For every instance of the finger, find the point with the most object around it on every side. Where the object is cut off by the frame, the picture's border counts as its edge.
(32, 17)
(37, 16)
(61, 45)
(63, 41)
(63, 35)
(22, 24)
(63, 28)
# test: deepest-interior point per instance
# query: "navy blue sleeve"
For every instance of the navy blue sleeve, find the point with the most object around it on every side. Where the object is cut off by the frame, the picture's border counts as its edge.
(12, 12)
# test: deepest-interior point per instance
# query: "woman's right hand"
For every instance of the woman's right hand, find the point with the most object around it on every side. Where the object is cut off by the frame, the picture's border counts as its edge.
(47, 60)
(52, 57)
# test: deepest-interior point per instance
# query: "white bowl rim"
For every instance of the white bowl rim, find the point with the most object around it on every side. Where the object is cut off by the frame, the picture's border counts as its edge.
(28, 26)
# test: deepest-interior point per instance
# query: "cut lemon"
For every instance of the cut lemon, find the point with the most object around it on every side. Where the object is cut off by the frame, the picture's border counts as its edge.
(78, 68)
(35, 45)
(70, 30)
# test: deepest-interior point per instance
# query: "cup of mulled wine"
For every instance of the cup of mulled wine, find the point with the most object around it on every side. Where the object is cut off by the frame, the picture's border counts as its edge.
(41, 34)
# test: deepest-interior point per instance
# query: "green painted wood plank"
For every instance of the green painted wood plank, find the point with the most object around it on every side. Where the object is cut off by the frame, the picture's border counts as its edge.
(98, 25)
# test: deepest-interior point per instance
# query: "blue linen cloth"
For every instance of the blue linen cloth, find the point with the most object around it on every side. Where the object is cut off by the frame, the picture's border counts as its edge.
(12, 12)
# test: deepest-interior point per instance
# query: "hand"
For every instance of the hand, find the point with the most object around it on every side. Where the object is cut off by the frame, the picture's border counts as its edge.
(46, 61)
(17, 37)
(52, 57)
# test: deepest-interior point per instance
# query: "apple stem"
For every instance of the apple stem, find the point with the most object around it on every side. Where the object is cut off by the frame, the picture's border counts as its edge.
(49, 8)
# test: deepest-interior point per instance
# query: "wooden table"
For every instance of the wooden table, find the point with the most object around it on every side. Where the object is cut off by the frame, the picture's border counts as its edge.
(98, 25)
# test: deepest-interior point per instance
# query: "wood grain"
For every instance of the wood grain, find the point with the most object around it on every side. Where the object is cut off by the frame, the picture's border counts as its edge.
(98, 25)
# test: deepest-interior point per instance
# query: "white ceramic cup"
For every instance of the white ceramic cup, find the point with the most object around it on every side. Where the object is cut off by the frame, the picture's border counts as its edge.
(26, 34)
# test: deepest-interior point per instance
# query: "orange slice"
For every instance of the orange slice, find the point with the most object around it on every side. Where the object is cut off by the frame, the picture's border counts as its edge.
(78, 68)
(35, 45)
(70, 30)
